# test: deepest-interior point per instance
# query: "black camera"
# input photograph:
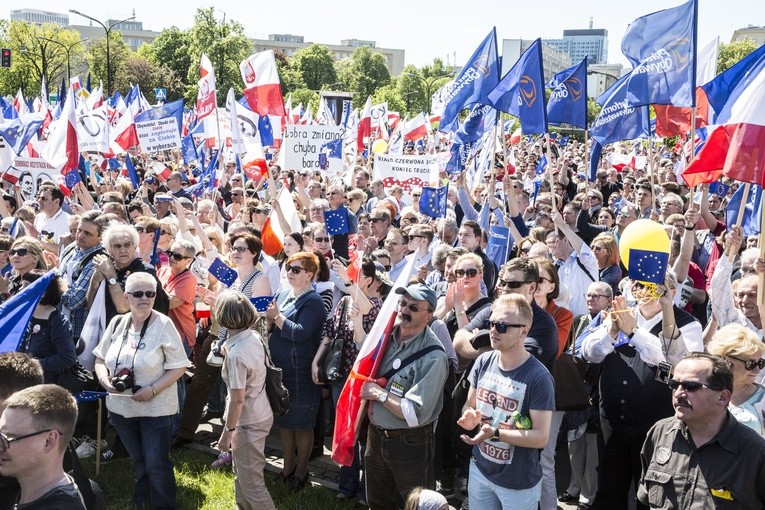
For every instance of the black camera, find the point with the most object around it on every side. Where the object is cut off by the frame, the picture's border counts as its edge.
(124, 380)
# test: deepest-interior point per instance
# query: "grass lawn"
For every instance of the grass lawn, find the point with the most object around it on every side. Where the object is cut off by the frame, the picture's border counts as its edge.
(202, 487)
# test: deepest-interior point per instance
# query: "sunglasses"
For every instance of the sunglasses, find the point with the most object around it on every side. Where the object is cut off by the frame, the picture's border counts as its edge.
(510, 284)
(5, 441)
(176, 255)
(321, 239)
(689, 386)
(375, 220)
(118, 246)
(295, 269)
(501, 327)
(18, 251)
(239, 249)
(166, 233)
(141, 293)
(470, 273)
(416, 195)
(751, 364)
(236, 194)
(143, 230)
(413, 308)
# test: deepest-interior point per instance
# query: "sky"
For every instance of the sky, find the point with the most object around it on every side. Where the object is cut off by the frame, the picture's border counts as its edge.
(425, 29)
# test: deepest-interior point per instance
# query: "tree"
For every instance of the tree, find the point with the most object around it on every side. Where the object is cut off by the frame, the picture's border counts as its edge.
(119, 53)
(148, 76)
(316, 66)
(363, 73)
(289, 77)
(309, 98)
(732, 52)
(171, 50)
(389, 93)
(226, 46)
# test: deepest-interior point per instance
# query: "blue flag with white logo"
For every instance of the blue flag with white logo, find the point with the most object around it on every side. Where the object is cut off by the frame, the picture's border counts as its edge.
(479, 76)
(661, 47)
(222, 272)
(433, 201)
(542, 164)
(496, 248)
(648, 266)
(595, 151)
(167, 110)
(336, 221)
(568, 100)
(617, 120)
(750, 224)
(480, 119)
(17, 311)
(521, 91)
(19, 131)
(261, 302)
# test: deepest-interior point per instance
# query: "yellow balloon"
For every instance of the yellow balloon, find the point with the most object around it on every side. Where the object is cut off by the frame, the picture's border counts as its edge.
(642, 235)
(379, 146)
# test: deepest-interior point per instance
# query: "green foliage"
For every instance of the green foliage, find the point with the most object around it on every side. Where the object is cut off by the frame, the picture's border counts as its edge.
(363, 73)
(119, 53)
(316, 66)
(389, 93)
(308, 97)
(290, 78)
(729, 54)
(593, 110)
(148, 75)
(171, 49)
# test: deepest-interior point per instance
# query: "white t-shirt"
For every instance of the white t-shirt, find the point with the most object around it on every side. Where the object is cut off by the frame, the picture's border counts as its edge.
(52, 229)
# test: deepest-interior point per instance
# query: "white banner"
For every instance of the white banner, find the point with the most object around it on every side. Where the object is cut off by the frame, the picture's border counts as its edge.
(158, 135)
(31, 173)
(93, 130)
(302, 146)
(409, 172)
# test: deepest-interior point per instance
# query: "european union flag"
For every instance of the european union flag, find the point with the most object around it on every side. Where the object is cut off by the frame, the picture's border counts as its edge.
(167, 110)
(17, 311)
(480, 119)
(188, 150)
(89, 396)
(719, 189)
(568, 100)
(266, 131)
(750, 224)
(72, 178)
(618, 121)
(479, 76)
(19, 131)
(336, 221)
(222, 272)
(132, 172)
(433, 201)
(521, 91)
(9, 112)
(542, 164)
(661, 47)
(261, 302)
(332, 149)
(648, 266)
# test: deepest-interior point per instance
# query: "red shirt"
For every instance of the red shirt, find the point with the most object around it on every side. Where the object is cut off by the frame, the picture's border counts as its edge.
(184, 287)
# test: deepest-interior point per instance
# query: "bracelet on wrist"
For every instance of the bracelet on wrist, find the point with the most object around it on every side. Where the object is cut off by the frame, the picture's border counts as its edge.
(153, 391)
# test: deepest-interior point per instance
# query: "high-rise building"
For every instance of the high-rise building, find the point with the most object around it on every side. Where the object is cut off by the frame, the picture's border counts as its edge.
(553, 61)
(756, 34)
(289, 44)
(580, 43)
(40, 17)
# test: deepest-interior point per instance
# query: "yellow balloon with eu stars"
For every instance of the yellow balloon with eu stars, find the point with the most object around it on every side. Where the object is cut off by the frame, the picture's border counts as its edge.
(379, 147)
(644, 249)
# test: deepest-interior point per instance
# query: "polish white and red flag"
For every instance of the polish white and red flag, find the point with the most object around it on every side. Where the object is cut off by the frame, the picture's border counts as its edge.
(62, 149)
(262, 88)
(206, 97)
(365, 126)
(416, 128)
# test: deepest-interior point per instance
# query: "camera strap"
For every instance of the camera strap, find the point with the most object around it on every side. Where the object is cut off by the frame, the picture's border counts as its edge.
(124, 338)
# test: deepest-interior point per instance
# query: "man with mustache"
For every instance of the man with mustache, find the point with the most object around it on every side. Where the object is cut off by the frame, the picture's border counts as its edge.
(405, 403)
(702, 457)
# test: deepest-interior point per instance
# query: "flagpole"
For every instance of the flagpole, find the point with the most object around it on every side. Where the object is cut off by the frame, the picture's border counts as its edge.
(587, 162)
(550, 177)
(693, 133)
(739, 220)
(651, 170)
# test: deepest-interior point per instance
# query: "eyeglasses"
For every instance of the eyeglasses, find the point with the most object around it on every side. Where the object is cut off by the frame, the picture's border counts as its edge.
(18, 251)
(416, 195)
(470, 273)
(236, 194)
(118, 246)
(751, 364)
(402, 303)
(543, 279)
(409, 220)
(598, 248)
(334, 193)
(138, 294)
(239, 249)
(510, 284)
(596, 296)
(321, 239)
(176, 255)
(501, 327)
(5, 441)
(375, 220)
(295, 269)
(144, 230)
(166, 233)
(689, 386)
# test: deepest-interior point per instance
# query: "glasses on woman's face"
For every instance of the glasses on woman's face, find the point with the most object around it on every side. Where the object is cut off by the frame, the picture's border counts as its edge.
(751, 364)
(177, 256)
(144, 230)
(138, 294)
(462, 273)
(598, 248)
(21, 252)
(321, 239)
(165, 233)
(239, 249)
(295, 269)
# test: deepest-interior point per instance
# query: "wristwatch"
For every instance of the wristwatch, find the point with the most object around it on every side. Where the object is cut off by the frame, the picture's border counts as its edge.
(382, 397)
(495, 435)
(231, 429)
(112, 281)
(690, 227)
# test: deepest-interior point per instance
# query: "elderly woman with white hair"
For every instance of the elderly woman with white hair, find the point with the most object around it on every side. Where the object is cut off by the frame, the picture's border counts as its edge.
(139, 361)
(745, 350)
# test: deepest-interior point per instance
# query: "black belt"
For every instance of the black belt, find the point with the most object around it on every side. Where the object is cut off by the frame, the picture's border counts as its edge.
(402, 432)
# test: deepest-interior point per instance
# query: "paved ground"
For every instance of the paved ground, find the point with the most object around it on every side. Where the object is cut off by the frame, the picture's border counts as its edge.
(325, 472)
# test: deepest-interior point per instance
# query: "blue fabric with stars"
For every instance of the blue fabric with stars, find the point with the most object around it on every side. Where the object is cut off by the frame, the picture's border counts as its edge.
(648, 266)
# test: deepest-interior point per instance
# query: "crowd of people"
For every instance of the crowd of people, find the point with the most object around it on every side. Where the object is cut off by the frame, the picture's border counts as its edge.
(468, 402)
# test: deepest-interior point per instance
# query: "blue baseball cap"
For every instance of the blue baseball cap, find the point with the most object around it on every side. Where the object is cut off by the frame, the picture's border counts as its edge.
(419, 292)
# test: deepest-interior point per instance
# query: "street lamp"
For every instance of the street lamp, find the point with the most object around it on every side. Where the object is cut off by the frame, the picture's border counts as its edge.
(108, 31)
(68, 50)
(428, 86)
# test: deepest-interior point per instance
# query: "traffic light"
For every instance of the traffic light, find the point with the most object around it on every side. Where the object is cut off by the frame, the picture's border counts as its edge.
(5, 58)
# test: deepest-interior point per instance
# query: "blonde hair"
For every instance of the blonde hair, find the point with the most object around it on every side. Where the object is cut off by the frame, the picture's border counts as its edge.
(735, 340)
(35, 247)
(234, 311)
(471, 257)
